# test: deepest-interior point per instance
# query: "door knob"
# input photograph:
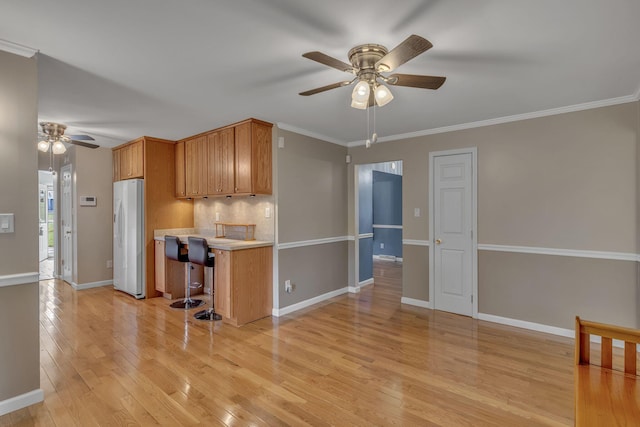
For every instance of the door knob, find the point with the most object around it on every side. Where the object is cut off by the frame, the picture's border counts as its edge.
(438, 241)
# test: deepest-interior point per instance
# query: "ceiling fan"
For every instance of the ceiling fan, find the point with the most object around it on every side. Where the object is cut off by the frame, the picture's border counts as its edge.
(368, 63)
(53, 135)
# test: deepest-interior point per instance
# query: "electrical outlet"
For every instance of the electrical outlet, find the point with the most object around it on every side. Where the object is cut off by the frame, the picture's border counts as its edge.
(109, 264)
(287, 286)
(381, 245)
(267, 212)
(217, 216)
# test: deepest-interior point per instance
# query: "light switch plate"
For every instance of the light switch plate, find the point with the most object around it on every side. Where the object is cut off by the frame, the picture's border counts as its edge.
(416, 212)
(267, 212)
(6, 223)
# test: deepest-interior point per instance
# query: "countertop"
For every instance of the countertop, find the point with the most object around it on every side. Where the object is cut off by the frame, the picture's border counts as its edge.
(213, 242)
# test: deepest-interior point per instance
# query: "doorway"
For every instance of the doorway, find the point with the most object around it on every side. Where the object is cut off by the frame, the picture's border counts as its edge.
(378, 218)
(453, 278)
(46, 226)
(66, 224)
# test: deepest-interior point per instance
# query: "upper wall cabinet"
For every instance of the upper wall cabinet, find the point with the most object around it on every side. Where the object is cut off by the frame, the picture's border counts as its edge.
(233, 160)
(181, 185)
(252, 164)
(128, 160)
(195, 154)
(221, 178)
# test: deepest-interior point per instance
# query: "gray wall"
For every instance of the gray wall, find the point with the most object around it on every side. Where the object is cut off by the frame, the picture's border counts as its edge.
(312, 204)
(94, 175)
(20, 347)
(567, 181)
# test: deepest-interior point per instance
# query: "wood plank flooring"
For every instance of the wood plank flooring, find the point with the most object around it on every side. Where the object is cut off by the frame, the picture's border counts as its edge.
(355, 360)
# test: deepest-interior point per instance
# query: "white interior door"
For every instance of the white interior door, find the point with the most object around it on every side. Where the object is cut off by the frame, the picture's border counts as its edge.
(453, 242)
(66, 224)
(43, 232)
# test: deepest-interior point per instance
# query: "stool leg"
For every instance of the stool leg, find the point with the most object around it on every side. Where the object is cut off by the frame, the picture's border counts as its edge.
(187, 303)
(210, 313)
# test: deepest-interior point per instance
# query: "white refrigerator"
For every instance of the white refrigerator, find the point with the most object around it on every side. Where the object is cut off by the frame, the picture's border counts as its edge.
(128, 237)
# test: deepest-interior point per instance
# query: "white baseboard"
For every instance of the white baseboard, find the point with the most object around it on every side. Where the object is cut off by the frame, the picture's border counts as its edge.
(416, 302)
(527, 325)
(538, 327)
(21, 401)
(388, 258)
(366, 282)
(91, 285)
(356, 289)
(277, 312)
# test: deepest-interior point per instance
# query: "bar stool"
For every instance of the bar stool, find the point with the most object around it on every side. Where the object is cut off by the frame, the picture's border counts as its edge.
(174, 250)
(199, 254)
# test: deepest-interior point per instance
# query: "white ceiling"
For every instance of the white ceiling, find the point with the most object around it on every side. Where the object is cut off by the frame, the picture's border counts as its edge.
(120, 69)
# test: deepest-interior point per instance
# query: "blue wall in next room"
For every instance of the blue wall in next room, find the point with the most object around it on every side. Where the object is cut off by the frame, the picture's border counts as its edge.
(387, 211)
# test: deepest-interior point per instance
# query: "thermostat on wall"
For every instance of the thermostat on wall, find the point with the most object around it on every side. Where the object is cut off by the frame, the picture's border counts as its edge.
(88, 200)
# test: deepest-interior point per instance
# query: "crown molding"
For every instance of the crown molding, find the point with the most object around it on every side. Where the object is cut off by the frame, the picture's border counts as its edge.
(508, 119)
(17, 49)
(310, 134)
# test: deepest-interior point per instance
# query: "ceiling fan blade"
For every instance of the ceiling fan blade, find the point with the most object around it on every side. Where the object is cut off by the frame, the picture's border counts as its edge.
(329, 61)
(411, 80)
(325, 88)
(405, 51)
(81, 138)
(82, 143)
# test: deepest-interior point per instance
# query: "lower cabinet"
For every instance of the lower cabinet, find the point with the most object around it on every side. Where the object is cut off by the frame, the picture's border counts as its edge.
(242, 281)
(243, 284)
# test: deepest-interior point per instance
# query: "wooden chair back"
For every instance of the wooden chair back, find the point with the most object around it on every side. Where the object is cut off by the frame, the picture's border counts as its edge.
(631, 338)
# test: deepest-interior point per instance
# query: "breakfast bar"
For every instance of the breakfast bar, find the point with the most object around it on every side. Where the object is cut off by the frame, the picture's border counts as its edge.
(242, 276)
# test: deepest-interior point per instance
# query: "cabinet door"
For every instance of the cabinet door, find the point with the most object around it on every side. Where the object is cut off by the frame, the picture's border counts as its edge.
(221, 162)
(181, 189)
(196, 166)
(222, 283)
(116, 165)
(136, 159)
(161, 284)
(261, 159)
(125, 163)
(243, 158)
(213, 180)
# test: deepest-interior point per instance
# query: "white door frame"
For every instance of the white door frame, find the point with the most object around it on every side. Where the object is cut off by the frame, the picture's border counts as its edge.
(474, 213)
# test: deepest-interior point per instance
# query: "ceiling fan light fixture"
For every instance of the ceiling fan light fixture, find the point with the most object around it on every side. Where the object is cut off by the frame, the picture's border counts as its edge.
(383, 95)
(360, 105)
(43, 146)
(58, 148)
(361, 91)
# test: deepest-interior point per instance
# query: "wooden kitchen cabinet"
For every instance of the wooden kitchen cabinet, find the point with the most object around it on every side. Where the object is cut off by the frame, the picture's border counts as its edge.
(181, 185)
(232, 160)
(253, 170)
(132, 160)
(243, 284)
(196, 168)
(221, 178)
(116, 165)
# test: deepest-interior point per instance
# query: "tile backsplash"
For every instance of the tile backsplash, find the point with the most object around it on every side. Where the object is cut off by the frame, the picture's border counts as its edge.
(249, 210)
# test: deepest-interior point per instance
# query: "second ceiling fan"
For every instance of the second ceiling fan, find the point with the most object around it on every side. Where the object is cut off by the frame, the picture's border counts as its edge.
(368, 63)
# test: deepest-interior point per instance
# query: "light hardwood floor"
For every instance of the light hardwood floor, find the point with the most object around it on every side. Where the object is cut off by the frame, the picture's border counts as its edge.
(357, 359)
